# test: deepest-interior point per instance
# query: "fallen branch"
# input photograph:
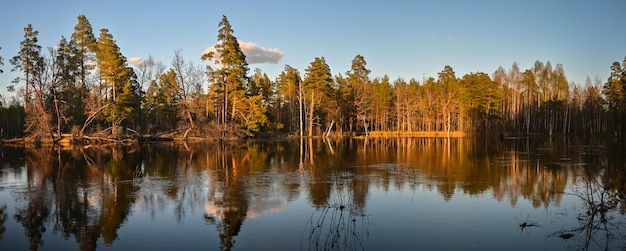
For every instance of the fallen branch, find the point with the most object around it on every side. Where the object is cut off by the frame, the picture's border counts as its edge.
(91, 118)
(187, 132)
(101, 139)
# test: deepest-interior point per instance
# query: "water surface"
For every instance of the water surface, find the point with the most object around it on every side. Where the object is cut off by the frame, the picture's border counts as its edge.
(394, 194)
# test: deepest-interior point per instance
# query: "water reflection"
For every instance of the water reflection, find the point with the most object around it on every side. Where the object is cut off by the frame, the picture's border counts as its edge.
(341, 224)
(3, 220)
(89, 194)
(76, 193)
(600, 219)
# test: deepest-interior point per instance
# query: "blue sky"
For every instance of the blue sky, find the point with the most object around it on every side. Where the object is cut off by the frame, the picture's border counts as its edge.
(399, 38)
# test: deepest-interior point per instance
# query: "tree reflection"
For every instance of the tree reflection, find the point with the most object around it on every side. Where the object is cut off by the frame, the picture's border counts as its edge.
(339, 225)
(87, 193)
(86, 198)
(34, 214)
(3, 220)
(338, 191)
(471, 166)
(600, 222)
(227, 205)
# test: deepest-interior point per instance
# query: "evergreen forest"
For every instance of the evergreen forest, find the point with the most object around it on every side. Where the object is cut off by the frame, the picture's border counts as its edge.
(83, 88)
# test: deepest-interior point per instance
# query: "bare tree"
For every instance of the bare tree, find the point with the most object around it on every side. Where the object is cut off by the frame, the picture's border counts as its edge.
(190, 78)
(147, 71)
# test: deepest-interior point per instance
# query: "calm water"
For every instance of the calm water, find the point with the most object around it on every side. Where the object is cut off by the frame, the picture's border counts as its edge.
(398, 194)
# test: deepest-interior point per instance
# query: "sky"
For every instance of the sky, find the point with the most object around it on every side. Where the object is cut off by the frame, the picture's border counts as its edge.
(407, 39)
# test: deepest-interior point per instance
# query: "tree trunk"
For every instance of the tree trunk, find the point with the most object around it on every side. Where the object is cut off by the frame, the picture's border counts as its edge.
(193, 125)
(330, 128)
(311, 114)
(301, 100)
(225, 107)
(365, 127)
(91, 118)
(56, 108)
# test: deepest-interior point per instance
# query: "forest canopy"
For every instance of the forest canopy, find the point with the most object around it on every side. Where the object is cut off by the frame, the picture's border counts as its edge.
(84, 87)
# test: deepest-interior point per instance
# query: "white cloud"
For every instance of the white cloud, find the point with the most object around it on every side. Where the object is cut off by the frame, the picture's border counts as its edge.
(135, 60)
(209, 49)
(255, 54)
(451, 38)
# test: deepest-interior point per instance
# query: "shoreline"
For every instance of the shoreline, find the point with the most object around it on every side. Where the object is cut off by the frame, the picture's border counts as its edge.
(69, 141)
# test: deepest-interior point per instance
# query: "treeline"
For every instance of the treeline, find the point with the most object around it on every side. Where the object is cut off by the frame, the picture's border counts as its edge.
(85, 87)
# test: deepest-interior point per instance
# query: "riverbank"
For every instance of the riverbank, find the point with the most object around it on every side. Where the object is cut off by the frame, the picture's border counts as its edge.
(68, 140)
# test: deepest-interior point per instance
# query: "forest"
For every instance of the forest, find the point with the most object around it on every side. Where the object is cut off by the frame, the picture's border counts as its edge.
(85, 90)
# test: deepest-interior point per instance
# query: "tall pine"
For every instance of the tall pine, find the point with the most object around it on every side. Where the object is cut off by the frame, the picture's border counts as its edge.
(288, 85)
(318, 88)
(30, 62)
(123, 102)
(230, 72)
(615, 92)
(362, 90)
(237, 107)
(83, 48)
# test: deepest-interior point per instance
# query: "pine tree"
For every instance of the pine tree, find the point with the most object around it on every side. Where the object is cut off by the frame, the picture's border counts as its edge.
(238, 108)
(82, 60)
(120, 78)
(111, 63)
(230, 76)
(615, 92)
(383, 95)
(288, 85)
(345, 99)
(162, 102)
(481, 97)
(448, 84)
(592, 110)
(31, 63)
(28, 60)
(66, 96)
(84, 48)
(127, 102)
(254, 115)
(317, 85)
(362, 90)
(261, 85)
